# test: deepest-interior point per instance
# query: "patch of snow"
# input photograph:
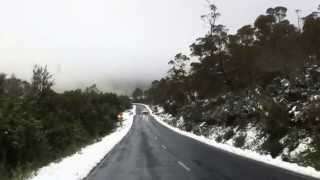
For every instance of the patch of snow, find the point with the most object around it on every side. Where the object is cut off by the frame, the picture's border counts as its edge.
(159, 109)
(217, 131)
(284, 139)
(79, 165)
(260, 107)
(315, 98)
(308, 171)
(257, 90)
(297, 114)
(285, 152)
(307, 75)
(275, 99)
(180, 122)
(285, 82)
(293, 109)
(202, 124)
(302, 147)
(253, 140)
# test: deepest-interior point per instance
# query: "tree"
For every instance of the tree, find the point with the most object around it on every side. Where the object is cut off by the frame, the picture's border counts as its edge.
(242, 49)
(153, 93)
(214, 39)
(246, 36)
(178, 78)
(41, 80)
(212, 54)
(211, 18)
(298, 11)
(279, 13)
(2, 81)
(311, 39)
(310, 36)
(137, 94)
(178, 69)
(263, 26)
(93, 89)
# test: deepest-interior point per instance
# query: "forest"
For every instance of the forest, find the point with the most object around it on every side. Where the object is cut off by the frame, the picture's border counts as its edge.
(39, 125)
(265, 75)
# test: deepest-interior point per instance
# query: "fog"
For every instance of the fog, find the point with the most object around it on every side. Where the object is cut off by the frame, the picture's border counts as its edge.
(116, 44)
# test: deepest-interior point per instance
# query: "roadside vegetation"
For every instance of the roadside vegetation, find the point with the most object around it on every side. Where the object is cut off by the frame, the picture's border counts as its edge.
(264, 77)
(39, 125)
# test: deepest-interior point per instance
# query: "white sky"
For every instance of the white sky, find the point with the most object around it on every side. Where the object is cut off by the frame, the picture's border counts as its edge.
(105, 41)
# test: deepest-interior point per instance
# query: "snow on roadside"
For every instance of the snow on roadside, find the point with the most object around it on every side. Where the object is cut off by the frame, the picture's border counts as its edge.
(78, 165)
(309, 171)
(253, 140)
(302, 147)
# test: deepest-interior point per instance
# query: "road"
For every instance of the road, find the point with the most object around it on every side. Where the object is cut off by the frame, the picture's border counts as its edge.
(151, 151)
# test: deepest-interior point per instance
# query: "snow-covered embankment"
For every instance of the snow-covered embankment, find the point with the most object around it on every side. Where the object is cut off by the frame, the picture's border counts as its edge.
(79, 165)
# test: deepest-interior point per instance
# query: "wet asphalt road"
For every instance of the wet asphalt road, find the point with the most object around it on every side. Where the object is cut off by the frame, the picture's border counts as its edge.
(150, 151)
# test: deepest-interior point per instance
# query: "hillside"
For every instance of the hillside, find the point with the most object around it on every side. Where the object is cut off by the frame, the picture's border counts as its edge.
(257, 89)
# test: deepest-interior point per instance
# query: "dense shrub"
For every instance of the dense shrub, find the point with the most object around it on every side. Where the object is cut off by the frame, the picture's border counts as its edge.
(228, 135)
(38, 125)
(239, 141)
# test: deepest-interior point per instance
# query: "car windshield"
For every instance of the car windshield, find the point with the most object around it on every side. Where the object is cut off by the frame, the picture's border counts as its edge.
(159, 90)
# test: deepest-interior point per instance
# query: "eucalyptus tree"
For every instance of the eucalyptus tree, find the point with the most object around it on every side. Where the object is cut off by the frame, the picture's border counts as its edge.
(209, 72)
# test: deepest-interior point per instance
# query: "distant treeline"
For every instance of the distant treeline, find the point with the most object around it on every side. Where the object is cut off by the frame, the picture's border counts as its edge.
(266, 74)
(38, 125)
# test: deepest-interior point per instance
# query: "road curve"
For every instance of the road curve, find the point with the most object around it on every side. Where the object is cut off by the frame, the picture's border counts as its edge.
(151, 151)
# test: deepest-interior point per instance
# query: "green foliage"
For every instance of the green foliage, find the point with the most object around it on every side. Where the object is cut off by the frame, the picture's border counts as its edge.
(273, 147)
(252, 57)
(228, 135)
(240, 141)
(137, 94)
(256, 76)
(312, 157)
(277, 120)
(219, 139)
(255, 55)
(38, 125)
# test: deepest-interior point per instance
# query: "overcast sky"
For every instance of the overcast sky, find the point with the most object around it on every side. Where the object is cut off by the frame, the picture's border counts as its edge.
(112, 42)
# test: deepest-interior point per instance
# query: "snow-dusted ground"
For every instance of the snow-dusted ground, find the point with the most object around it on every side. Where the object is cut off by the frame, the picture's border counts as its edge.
(78, 165)
(309, 171)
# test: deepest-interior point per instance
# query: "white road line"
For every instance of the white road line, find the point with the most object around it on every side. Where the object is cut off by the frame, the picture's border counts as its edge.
(184, 166)
(163, 146)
